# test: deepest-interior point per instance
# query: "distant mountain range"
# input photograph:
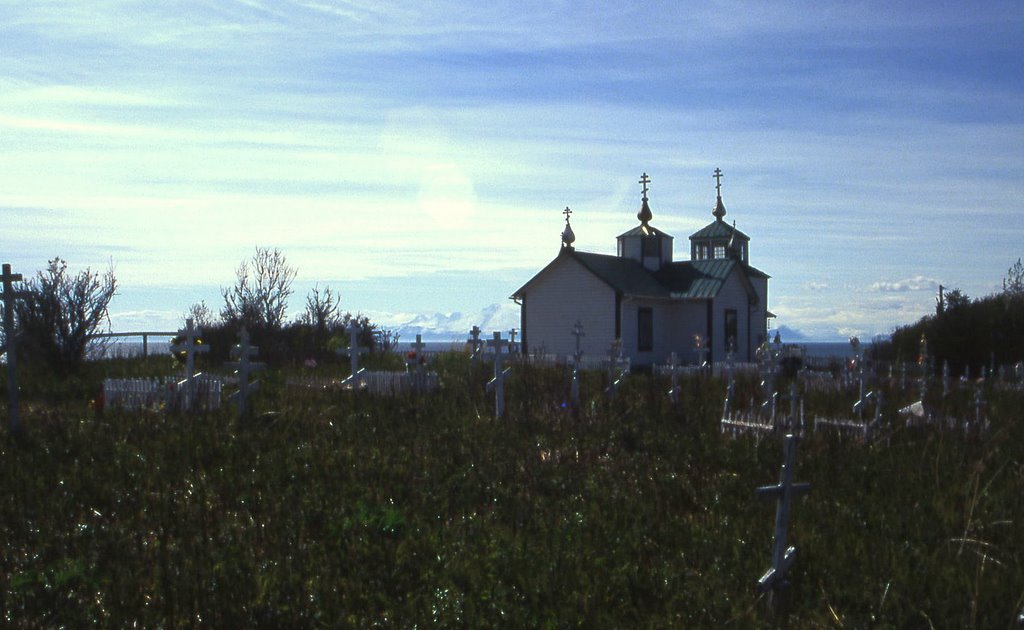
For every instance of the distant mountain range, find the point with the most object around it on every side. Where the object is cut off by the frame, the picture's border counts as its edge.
(451, 326)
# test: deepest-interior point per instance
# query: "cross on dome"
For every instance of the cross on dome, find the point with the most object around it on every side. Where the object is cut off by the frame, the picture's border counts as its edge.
(718, 181)
(567, 212)
(644, 179)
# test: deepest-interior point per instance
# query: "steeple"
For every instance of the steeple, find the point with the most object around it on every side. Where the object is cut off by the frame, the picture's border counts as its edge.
(568, 237)
(718, 239)
(645, 215)
(645, 243)
(719, 210)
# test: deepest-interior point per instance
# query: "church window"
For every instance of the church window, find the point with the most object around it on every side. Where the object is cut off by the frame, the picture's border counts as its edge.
(731, 330)
(719, 251)
(645, 329)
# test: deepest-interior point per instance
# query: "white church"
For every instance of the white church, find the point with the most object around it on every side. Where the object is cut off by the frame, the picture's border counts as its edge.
(653, 305)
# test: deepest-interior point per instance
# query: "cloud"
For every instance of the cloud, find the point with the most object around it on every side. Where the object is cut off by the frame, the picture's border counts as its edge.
(917, 283)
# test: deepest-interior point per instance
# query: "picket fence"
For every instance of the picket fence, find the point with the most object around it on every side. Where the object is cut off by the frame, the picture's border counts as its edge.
(379, 383)
(168, 392)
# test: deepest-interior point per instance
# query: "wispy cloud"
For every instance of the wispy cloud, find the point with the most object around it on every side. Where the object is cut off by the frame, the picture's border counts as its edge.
(917, 283)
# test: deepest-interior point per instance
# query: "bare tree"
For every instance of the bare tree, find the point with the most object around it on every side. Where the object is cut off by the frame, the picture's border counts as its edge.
(260, 299)
(200, 314)
(61, 312)
(322, 309)
(1013, 283)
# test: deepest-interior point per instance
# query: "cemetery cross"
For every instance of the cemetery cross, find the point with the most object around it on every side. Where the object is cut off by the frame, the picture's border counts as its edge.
(354, 351)
(244, 351)
(782, 555)
(475, 343)
(574, 391)
(9, 296)
(497, 384)
(190, 345)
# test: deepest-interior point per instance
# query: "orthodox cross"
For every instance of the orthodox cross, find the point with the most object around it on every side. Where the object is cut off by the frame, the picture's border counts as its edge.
(354, 350)
(244, 351)
(782, 555)
(190, 346)
(497, 384)
(577, 330)
(644, 180)
(718, 181)
(567, 212)
(618, 367)
(674, 392)
(512, 340)
(474, 342)
(702, 351)
(9, 296)
(417, 350)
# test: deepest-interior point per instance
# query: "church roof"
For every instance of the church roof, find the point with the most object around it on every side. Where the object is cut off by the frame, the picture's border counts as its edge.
(644, 230)
(718, 229)
(697, 280)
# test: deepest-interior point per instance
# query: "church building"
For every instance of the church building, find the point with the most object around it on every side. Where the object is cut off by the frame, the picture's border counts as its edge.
(700, 309)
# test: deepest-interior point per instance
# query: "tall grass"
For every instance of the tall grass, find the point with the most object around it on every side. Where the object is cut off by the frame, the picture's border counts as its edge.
(333, 508)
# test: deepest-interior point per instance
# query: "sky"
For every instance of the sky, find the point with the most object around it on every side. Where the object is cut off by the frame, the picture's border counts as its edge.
(416, 156)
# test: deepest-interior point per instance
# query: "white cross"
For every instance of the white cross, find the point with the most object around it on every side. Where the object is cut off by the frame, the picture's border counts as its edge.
(354, 351)
(9, 296)
(244, 351)
(497, 384)
(577, 330)
(191, 345)
(784, 491)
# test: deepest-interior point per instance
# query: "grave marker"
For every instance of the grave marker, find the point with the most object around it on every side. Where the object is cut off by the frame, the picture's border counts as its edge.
(353, 351)
(244, 351)
(9, 296)
(618, 368)
(574, 389)
(674, 392)
(774, 579)
(700, 349)
(497, 384)
(191, 345)
(475, 344)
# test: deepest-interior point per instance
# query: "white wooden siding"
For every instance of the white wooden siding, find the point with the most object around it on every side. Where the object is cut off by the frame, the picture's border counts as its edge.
(556, 299)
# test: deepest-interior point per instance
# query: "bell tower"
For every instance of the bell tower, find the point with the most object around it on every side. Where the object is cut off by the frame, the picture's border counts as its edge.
(646, 244)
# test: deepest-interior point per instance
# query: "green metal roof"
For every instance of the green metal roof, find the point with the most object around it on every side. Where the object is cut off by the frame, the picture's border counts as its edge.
(718, 229)
(644, 230)
(694, 280)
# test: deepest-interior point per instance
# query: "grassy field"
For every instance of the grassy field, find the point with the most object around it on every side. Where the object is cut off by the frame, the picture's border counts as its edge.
(335, 509)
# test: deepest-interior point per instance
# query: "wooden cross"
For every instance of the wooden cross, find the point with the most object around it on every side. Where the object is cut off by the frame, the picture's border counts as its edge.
(644, 179)
(475, 344)
(618, 368)
(702, 351)
(577, 330)
(718, 181)
(979, 402)
(191, 345)
(497, 384)
(354, 351)
(9, 296)
(782, 555)
(417, 352)
(512, 340)
(244, 351)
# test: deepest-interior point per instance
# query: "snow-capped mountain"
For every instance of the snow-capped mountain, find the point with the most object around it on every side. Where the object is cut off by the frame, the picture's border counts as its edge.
(450, 326)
